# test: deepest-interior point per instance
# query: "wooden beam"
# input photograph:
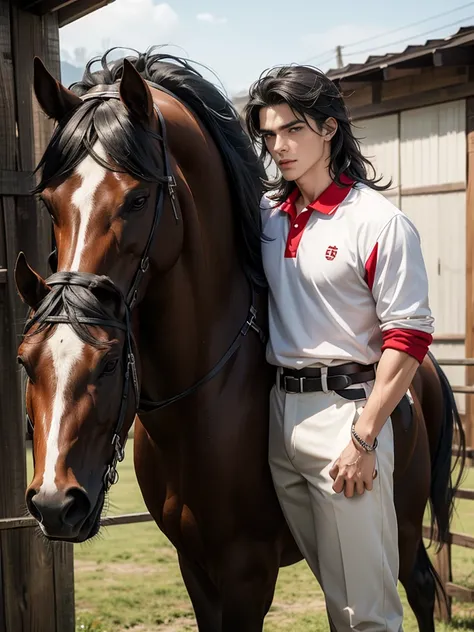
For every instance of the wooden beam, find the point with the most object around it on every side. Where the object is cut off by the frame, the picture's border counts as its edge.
(63, 572)
(392, 72)
(109, 521)
(448, 338)
(466, 494)
(469, 451)
(462, 539)
(35, 584)
(463, 389)
(8, 524)
(430, 189)
(462, 56)
(455, 362)
(420, 61)
(79, 9)
(41, 7)
(458, 539)
(16, 182)
(365, 77)
(3, 275)
(460, 592)
(469, 346)
(442, 564)
(411, 101)
(350, 86)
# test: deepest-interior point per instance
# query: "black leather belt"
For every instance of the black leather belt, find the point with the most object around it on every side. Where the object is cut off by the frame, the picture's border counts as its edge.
(338, 378)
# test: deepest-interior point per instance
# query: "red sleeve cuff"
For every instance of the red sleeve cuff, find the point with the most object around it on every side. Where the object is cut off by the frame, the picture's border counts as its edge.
(411, 341)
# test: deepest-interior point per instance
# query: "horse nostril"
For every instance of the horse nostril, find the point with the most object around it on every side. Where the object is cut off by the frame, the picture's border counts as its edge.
(30, 503)
(76, 507)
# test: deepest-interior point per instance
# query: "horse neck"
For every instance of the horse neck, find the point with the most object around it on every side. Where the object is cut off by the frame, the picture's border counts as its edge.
(192, 313)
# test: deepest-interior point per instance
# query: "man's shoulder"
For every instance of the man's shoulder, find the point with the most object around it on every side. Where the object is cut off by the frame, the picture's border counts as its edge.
(373, 208)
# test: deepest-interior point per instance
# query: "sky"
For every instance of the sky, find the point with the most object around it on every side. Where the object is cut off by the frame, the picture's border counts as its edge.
(240, 39)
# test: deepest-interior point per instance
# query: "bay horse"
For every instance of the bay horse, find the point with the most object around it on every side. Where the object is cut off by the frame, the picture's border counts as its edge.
(157, 305)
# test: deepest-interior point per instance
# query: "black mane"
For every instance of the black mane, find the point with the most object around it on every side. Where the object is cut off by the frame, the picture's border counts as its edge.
(132, 147)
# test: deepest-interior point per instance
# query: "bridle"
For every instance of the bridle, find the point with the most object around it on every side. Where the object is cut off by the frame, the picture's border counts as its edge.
(61, 280)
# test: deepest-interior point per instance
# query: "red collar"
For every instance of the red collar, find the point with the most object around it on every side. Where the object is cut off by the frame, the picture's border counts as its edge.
(326, 203)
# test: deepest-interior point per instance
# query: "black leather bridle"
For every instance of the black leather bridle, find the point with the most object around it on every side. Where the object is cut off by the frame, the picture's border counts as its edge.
(61, 280)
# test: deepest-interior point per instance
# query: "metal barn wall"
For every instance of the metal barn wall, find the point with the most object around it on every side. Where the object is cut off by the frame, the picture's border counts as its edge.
(424, 152)
(433, 153)
(379, 138)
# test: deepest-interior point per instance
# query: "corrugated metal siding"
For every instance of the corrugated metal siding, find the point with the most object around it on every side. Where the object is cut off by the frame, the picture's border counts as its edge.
(433, 145)
(379, 139)
(440, 220)
(432, 150)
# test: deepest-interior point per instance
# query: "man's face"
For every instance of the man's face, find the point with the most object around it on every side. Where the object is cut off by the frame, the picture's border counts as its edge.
(295, 146)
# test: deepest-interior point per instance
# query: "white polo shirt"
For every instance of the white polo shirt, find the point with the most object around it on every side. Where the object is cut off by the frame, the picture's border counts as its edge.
(346, 280)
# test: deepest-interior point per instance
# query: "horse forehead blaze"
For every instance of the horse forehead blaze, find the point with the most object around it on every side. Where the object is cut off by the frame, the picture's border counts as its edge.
(65, 350)
(91, 175)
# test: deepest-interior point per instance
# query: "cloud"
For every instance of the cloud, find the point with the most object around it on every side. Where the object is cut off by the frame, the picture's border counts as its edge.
(210, 18)
(136, 24)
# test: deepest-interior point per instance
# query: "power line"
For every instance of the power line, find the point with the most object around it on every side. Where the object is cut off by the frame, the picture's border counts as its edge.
(411, 37)
(319, 61)
(407, 26)
(318, 57)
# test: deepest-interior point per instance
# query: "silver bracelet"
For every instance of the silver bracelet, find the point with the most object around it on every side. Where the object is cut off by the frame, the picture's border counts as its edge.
(363, 444)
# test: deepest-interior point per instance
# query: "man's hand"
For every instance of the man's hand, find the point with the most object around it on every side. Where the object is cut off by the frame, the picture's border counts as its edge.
(354, 471)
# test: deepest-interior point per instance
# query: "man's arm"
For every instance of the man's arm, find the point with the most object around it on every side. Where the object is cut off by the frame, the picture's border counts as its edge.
(396, 275)
(395, 372)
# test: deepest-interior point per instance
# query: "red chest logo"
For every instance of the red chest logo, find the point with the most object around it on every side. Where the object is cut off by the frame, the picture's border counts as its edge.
(331, 253)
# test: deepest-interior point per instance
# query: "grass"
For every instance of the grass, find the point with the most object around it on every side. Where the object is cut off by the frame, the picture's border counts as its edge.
(128, 578)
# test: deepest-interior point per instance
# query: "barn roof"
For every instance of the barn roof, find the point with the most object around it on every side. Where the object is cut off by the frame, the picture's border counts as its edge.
(67, 10)
(454, 50)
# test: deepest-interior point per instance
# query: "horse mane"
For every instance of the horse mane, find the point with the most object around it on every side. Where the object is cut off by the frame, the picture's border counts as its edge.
(130, 146)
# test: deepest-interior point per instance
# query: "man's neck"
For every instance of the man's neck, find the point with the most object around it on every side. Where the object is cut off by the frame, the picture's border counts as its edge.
(313, 183)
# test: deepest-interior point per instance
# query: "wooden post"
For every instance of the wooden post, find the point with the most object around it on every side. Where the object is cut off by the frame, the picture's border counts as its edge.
(469, 347)
(442, 564)
(36, 578)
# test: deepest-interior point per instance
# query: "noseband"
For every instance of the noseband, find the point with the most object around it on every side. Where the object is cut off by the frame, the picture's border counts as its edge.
(61, 280)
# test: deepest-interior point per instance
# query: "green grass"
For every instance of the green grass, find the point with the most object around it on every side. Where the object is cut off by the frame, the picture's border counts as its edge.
(128, 577)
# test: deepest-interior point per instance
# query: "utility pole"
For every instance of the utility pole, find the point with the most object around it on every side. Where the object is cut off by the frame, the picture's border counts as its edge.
(339, 61)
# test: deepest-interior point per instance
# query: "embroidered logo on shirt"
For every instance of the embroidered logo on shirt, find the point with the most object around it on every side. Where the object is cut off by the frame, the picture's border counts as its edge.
(331, 253)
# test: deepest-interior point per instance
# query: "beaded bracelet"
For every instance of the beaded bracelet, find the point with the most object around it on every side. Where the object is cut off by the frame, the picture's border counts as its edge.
(363, 444)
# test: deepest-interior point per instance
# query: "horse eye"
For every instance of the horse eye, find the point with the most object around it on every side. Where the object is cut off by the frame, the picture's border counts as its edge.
(110, 367)
(139, 202)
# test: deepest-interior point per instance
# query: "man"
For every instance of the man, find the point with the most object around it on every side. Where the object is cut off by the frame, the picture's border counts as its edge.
(347, 296)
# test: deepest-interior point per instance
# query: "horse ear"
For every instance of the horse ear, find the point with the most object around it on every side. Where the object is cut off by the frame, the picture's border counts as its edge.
(31, 287)
(55, 100)
(135, 93)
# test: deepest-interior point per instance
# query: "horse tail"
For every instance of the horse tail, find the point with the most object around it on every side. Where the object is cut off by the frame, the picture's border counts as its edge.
(446, 475)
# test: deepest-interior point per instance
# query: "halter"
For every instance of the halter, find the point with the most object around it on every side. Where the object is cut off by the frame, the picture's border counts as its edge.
(61, 280)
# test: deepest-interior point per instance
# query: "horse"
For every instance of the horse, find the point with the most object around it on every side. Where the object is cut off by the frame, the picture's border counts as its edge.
(156, 313)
